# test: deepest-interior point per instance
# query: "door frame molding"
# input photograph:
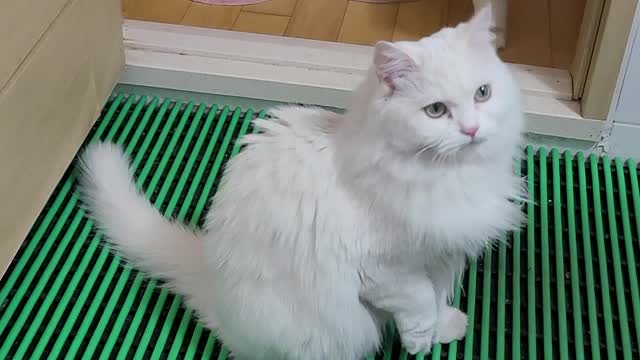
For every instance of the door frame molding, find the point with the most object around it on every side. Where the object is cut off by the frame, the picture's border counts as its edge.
(307, 71)
(601, 47)
(624, 114)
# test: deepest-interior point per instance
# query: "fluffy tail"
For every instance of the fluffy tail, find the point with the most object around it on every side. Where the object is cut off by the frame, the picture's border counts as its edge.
(136, 229)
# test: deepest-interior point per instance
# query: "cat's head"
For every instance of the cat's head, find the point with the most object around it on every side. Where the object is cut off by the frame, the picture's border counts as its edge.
(446, 94)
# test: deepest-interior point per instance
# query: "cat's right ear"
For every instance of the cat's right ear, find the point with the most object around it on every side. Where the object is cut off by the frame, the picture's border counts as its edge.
(392, 64)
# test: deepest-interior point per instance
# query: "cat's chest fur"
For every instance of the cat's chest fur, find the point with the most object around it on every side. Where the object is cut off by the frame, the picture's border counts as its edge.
(459, 211)
(295, 198)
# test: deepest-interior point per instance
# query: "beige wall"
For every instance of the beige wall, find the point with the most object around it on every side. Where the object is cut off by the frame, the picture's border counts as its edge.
(63, 59)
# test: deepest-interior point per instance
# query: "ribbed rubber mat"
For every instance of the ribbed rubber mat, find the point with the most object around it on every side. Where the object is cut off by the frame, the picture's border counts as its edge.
(564, 287)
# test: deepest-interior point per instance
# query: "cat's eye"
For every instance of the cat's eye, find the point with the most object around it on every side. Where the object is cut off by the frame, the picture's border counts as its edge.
(435, 110)
(483, 93)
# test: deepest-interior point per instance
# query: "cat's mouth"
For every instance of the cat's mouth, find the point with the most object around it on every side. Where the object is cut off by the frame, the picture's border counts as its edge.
(475, 142)
(471, 145)
(463, 147)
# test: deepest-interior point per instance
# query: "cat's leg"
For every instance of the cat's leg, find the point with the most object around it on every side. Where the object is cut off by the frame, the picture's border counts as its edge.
(411, 299)
(452, 323)
(499, 16)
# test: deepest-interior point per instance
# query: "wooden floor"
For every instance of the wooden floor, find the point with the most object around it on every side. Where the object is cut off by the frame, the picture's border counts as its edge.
(540, 32)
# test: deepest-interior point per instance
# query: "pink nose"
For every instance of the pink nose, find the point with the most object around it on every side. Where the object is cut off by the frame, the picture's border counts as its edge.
(470, 131)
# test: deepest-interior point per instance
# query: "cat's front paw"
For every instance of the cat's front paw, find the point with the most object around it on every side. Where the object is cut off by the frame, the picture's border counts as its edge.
(417, 340)
(452, 325)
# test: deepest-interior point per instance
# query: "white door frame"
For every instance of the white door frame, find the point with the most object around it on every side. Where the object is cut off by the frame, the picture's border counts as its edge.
(624, 115)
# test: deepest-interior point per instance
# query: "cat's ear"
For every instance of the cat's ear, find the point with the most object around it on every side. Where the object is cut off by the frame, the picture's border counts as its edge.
(481, 26)
(392, 64)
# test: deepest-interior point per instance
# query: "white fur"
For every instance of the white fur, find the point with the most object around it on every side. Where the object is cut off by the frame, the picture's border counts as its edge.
(499, 8)
(326, 225)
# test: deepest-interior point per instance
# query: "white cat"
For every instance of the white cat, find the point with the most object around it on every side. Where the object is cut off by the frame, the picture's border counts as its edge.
(326, 226)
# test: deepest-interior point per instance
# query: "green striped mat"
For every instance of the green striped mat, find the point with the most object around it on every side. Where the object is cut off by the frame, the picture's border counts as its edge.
(564, 287)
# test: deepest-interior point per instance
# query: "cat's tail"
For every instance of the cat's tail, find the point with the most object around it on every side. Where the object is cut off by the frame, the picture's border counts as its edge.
(136, 229)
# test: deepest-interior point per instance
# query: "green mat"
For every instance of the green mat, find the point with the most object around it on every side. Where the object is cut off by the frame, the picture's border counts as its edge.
(564, 287)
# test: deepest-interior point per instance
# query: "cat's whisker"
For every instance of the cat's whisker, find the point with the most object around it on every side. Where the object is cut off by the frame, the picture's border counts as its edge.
(425, 148)
(455, 157)
(446, 150)
(441, 158)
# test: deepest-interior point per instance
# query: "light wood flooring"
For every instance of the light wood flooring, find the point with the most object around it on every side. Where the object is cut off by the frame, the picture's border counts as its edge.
(540, 32)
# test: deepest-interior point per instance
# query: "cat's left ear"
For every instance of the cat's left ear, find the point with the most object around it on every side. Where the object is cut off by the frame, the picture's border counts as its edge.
(481, 27)
(392, 64)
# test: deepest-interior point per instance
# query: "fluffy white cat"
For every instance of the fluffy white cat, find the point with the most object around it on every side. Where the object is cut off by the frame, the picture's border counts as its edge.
(326, 226)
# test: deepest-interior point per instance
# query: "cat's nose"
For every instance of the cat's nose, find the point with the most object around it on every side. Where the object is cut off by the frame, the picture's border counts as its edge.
(470, 131)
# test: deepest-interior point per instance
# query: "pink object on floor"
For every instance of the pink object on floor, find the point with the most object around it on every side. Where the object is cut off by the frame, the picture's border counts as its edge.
(249, 2)
(230, 2)
(385, 1)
